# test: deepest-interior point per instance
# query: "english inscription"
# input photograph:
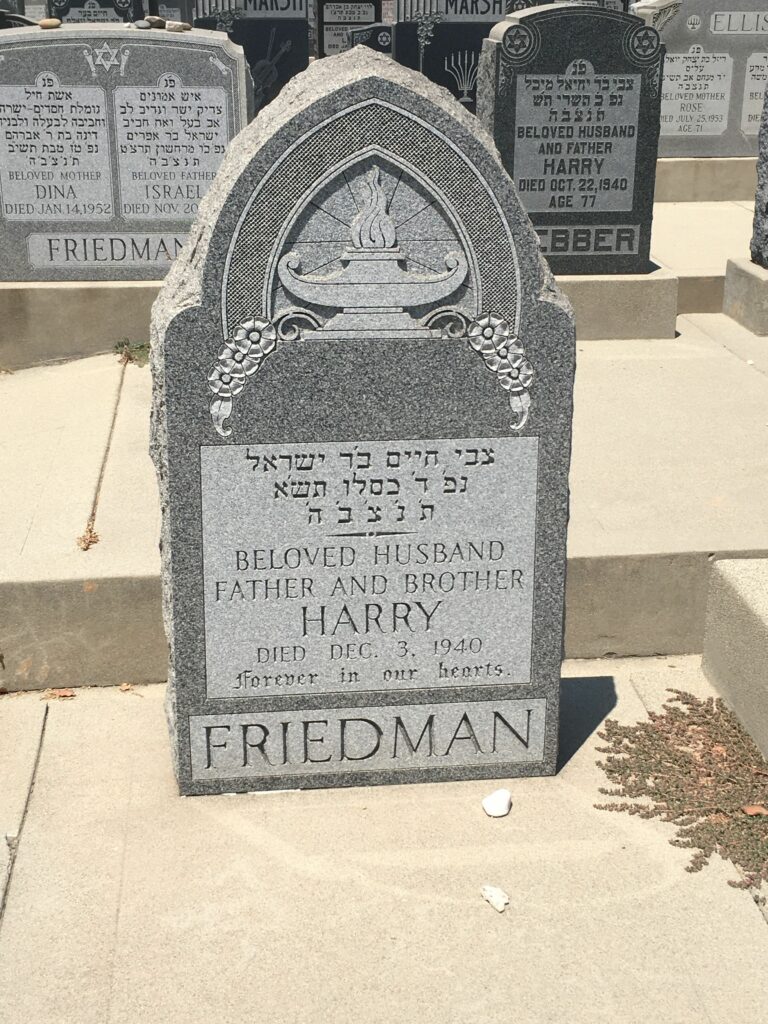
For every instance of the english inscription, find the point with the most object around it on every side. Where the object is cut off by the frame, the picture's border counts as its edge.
(697, 93)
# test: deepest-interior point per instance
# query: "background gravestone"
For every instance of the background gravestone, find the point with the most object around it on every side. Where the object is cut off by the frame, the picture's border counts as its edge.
(715, 75)
(111, 136)
(174, 10)
(448, 53)
(336, 18)
(759, 243)
(378, 36)
(609, 5)
(571, 96)
(442, 39)
(87, 11)
(656, 13)
(361, 424)
(275, 45)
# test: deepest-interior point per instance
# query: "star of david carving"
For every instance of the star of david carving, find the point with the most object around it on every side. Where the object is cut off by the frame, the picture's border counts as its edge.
(645, 42)
(106, 57)
(517, 41)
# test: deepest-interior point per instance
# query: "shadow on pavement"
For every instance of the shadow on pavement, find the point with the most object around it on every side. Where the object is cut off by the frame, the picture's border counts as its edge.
(584, 702)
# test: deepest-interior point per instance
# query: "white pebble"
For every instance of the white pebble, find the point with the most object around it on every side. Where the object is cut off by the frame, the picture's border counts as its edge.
(496, 897)
(498, 803)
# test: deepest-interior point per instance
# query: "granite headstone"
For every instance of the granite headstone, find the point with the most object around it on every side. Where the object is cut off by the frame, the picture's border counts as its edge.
(571, 96)
(109, 138)
(174, 10)
(759, 243)
(656, 13)
(362, 405)
(609, 5)
(715, 75)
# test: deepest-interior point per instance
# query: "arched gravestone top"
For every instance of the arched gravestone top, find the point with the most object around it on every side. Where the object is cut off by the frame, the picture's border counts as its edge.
(361, 348)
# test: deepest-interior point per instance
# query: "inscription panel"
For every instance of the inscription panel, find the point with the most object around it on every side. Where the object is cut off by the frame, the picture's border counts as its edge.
(367, 738)
(576, 139)
(170, 141)
(696, 96)
(54, 152)
(755, 79)
(373, 576)
(337, 17)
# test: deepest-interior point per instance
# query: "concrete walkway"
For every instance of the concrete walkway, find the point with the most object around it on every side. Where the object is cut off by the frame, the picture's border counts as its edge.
(129, 905)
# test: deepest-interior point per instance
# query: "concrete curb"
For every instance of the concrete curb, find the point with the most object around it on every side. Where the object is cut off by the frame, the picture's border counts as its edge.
(736, 642)
(745, 295)
(46, 322)
(701, 180)
(623, 306)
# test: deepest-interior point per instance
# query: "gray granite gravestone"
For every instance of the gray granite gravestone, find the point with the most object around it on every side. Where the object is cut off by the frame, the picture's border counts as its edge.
(759, 243)
(715, 75)
(110, 137)
(571, 96)
(361, 424)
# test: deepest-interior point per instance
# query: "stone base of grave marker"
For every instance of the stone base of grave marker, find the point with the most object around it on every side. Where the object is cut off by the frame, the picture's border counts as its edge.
(745, 296)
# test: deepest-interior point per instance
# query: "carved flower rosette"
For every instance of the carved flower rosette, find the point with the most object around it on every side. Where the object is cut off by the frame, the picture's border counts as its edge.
(239, 358)
(490, 335)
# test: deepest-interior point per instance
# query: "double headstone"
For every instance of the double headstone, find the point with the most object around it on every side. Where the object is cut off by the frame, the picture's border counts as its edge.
(715, 77)
(571, 96)
(361, 424)
(110, 138)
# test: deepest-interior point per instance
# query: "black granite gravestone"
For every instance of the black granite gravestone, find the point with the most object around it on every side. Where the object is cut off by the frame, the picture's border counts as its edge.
(448, 53)
(378, 37)
(87, 11)
(276, 49)
(363, 378)
(571, 96)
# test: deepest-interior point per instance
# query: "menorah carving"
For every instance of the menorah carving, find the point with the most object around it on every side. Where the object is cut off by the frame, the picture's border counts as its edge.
(462, 66)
